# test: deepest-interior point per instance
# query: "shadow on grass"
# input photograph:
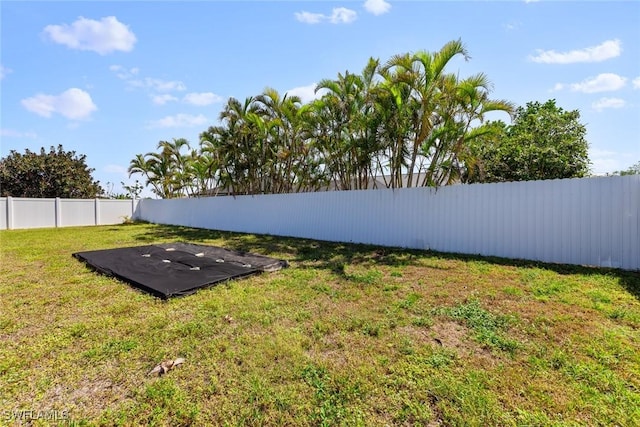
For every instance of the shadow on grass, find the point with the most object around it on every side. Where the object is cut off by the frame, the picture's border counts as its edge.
(310, 253)
(335, 256)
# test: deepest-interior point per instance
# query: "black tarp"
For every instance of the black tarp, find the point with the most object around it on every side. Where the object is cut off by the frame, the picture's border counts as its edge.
(174, 269)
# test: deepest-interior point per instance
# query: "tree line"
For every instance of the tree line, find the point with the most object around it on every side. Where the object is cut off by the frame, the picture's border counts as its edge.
(406, 122)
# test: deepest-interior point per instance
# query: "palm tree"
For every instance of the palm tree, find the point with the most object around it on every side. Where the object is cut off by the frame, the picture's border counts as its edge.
(395, 106)
(350, 136)
(237, 144)
(408, 120)
(156, 169)
(171, 154)
(415, 82)
(140, 165)
(287, 153)
(200, 172)
(214, 143)
(163, 170)
(462, 110)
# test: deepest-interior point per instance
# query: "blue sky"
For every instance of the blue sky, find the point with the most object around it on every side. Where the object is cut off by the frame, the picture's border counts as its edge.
(111, 79)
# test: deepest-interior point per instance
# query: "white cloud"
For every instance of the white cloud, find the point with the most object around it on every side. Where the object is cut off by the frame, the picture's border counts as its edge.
(377, 7)
(158, 84)
(4, 71)
(123, 73)
(339, 15)
(179, 120)
(306, 93)
(201, 99)
(342, 15)
(152, 84)
(73, 103)
(636, 83)
(159, 90)
(11, 133)
(104, 36)
(194, 98)
(605, 82)
(309, 18)
(604, 103)
(606, 50)
(162, 99)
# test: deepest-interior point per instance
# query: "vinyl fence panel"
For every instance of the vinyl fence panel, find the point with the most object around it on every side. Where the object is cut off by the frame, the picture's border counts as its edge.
(115, 211)
(33, 213)
(41, 213)
(589, 221)
(4, 209)
(77, 212)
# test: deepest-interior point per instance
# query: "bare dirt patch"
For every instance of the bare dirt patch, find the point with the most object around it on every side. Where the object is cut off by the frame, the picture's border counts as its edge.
(451, 336)
(90, 396)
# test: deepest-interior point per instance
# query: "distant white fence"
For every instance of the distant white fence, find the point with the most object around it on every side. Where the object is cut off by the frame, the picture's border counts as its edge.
(589, 221)
(38, 213)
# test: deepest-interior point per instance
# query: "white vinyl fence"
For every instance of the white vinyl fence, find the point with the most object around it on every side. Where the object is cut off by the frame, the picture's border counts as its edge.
(589, 221)
(37, 213)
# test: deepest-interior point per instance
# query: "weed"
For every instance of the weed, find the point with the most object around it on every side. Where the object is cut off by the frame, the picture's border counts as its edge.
(512, 290)
(78, 330)
(488, 327)
(598, 296)
(422, 322)
(369, 277)
(371, 329)
(396, 273)
(406, 346)
(332, 397)
(409, 301)
(440, 358)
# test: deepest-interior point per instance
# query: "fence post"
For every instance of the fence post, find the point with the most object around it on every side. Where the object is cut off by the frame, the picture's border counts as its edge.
(58, 211)
(96, 206)
(9, 212)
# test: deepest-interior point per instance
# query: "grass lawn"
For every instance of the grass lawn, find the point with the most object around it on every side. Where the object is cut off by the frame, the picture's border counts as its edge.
(348, 335)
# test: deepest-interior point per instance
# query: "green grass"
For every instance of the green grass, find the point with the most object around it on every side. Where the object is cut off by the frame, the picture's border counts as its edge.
(348, 335)
(487, 327)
